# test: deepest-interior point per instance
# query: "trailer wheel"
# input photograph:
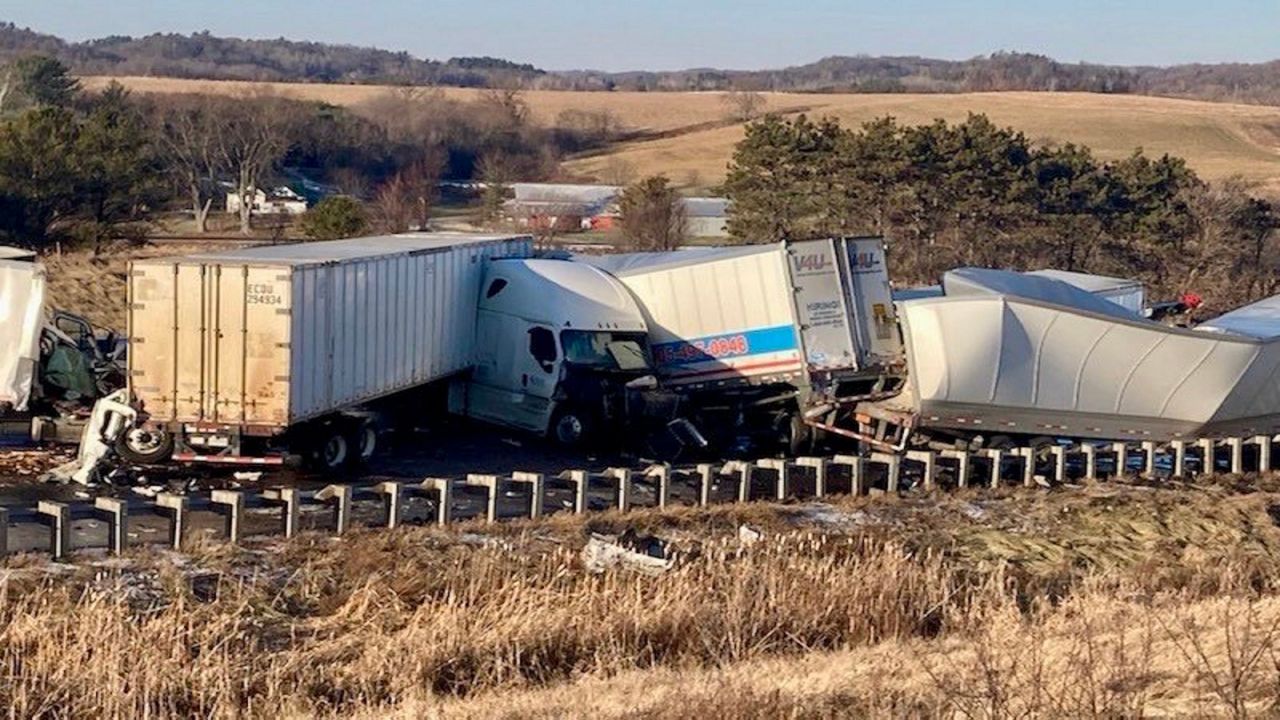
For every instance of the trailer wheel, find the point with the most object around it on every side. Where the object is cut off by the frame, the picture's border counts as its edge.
(570, 428)
(141, 446)
(332, 449)
(797, 435)
(366, 437)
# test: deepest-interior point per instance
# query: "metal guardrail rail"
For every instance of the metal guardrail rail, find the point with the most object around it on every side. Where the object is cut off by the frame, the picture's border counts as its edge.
(783, 477)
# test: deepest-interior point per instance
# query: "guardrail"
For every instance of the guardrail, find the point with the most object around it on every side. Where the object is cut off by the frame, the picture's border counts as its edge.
(802, 477)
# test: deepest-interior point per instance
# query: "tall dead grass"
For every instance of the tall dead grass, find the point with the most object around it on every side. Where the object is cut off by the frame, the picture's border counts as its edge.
(505, 622)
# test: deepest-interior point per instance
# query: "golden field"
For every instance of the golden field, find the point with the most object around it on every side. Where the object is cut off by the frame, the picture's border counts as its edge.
(685, 136)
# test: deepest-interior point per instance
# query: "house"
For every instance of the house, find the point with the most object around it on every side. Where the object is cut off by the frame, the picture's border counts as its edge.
(278, 201)
(564, 207)
(707, 216)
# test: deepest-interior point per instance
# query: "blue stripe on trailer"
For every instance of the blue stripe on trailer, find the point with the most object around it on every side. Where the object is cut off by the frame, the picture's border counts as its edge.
(726, 347)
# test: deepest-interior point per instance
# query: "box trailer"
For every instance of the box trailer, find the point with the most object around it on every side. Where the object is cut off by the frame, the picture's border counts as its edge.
(787, 333)
(236, 349)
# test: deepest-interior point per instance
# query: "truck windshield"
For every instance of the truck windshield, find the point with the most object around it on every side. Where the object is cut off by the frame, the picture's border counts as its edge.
(603, 349)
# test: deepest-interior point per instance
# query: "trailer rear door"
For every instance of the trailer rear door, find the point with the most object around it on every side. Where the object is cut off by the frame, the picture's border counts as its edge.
(843, 304)
(866, 281)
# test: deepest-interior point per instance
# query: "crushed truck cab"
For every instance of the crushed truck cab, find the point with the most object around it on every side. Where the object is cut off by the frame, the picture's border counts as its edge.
(561, 350)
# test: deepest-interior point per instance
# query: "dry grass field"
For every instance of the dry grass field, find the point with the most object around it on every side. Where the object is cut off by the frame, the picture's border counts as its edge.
(684, 135)
(1106, 601)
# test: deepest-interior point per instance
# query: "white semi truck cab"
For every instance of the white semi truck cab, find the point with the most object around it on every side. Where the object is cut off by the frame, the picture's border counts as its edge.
(561, 350)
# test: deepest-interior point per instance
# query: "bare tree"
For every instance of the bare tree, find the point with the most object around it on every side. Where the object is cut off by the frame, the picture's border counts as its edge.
(253, 136)
(653, 215)
(187, 129)
(405, 201)
(743, 105)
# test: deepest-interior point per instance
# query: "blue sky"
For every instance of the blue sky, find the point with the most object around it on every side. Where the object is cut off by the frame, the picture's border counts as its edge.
(670, 34)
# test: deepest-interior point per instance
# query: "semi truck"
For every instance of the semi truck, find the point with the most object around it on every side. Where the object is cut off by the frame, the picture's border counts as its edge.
(259, 355)
(770, 343)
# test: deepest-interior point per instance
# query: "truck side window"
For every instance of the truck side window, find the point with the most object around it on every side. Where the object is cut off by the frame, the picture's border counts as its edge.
(542, 346)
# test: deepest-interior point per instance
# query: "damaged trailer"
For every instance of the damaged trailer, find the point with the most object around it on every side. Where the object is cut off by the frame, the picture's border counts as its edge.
(1004, 354)
(770, 343)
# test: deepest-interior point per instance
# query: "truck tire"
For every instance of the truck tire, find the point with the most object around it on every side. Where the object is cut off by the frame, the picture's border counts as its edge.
(332, 450)
(141, 446)
(570, 428)
(363, 441)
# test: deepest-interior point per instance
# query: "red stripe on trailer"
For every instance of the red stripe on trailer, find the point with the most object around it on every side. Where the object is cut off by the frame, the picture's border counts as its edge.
(230, 460)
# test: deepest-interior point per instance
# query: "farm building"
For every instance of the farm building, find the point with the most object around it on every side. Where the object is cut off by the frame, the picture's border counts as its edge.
(707, 216)
(565, 207)
(278, 201)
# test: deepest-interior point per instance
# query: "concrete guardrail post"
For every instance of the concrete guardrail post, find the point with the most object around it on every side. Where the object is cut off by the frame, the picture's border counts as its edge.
(819, 466)
(59, 515)
(962, 465)
(581, 480)
(1028, 456)
(623, 477)
(177, 506)
(392, 502)
(663, 473)
(857, 472)
(537, 483)
(443, 488)
(1237, 454)
(490, 483)
(1090, 452)
(780, 469)
(1059, 454)
(1121, 451)
(1179, 458)
(1149, 453)
(340, 496)
(290, 508)
(893, 468)
(706, 474)
(116, 512)
(234, 502)
(997, 459)
(745, 472)
(929, 459)
(1264, 452)
(1208, 463)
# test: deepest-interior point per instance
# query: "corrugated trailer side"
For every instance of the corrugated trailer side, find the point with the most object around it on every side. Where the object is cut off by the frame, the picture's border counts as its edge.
(266, 338)
(720, 320)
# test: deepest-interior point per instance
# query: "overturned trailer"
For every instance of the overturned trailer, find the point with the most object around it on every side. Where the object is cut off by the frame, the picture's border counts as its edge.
(769, 341)
(1011, 354)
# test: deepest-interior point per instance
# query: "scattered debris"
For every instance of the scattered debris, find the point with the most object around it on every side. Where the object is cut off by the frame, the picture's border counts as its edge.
(247, 475)
(644, 554)
(748, 536)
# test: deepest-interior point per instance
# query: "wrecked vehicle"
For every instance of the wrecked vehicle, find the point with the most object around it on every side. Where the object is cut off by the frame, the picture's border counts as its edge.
(772, 344)
(54, 365)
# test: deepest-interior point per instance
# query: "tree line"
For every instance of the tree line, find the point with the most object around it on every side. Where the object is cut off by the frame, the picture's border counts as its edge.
(93, 167)
(972, 193)
(206, 56)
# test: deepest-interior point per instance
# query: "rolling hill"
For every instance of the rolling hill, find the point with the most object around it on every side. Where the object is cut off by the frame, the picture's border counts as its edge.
(685, 135)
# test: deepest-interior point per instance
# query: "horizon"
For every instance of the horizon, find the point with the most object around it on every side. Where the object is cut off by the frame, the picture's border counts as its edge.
(604, 32)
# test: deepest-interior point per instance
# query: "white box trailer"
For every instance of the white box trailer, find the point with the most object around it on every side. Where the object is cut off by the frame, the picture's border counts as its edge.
(252, 342)
(769, 341)
(764, 313)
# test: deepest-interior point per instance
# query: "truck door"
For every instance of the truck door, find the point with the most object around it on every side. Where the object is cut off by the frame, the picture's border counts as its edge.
(822, 312)
(871, 299)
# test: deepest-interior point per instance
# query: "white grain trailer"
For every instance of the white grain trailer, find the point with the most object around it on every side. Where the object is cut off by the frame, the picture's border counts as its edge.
(242, 356)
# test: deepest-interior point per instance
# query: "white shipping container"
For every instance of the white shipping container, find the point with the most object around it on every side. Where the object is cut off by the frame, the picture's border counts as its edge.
(267, 337)
(763, 313)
